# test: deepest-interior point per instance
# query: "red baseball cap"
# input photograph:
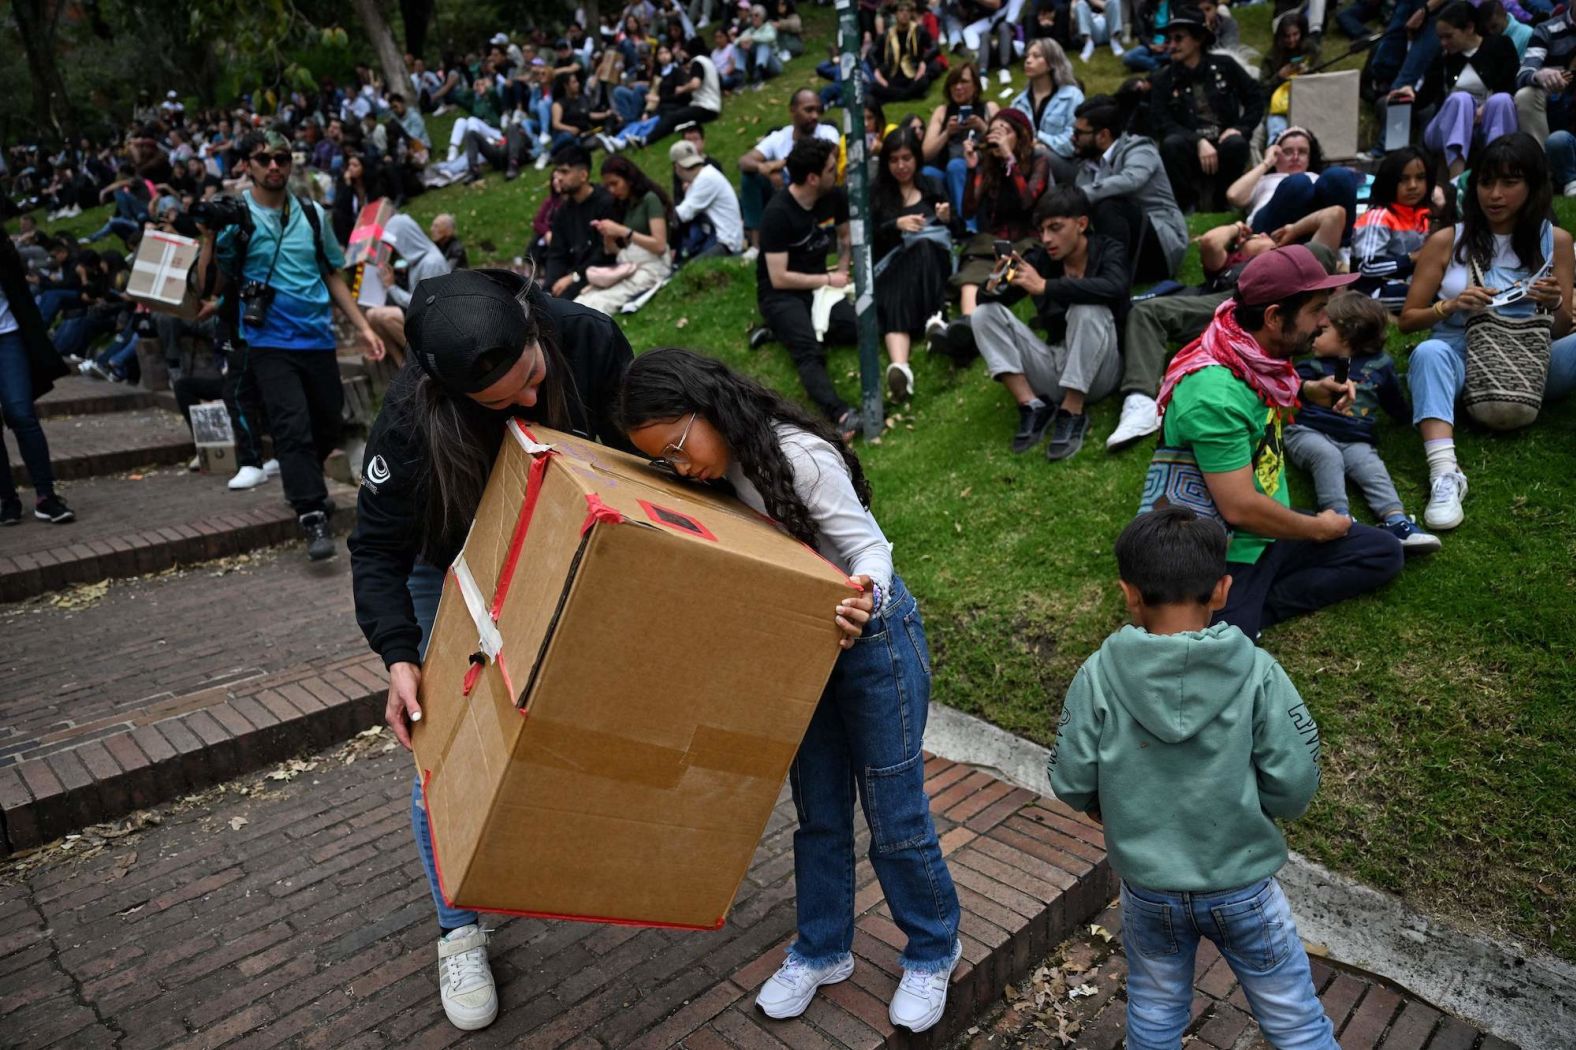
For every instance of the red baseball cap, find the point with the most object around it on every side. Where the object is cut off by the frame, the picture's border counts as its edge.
(1278, 275)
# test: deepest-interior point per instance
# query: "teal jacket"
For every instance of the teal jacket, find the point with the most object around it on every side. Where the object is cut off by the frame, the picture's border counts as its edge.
(1190, 745)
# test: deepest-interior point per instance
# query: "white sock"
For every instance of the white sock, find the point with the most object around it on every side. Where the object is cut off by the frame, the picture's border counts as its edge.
(1441, 453)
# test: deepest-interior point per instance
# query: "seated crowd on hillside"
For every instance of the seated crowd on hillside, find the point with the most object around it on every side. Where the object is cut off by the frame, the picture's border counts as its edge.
(1075, 205)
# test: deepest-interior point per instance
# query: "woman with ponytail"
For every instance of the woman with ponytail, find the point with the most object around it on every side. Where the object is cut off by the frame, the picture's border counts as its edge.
(710, 424)
(485, 346)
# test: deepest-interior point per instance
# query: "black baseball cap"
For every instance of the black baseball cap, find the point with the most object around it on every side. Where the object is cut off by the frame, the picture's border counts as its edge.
(468, 328)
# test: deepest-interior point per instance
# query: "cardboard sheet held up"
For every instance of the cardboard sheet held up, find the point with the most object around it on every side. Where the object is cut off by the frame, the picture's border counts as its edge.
(366, 237)
(161, 273)
(620, 672)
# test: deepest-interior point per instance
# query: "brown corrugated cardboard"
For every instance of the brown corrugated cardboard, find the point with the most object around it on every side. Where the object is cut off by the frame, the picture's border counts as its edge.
(161, 273)
(621, 669)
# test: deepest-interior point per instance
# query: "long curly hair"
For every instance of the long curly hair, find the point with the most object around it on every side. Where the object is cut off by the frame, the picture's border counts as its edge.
(670, 382)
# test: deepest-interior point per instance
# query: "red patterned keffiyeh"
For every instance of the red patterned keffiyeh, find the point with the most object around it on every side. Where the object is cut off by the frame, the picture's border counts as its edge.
(1225, 343)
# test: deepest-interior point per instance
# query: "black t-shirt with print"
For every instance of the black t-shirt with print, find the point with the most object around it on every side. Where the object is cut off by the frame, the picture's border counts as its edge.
(808, 235)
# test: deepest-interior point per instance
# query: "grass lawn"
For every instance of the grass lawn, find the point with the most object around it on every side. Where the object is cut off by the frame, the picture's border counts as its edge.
(1441, 699)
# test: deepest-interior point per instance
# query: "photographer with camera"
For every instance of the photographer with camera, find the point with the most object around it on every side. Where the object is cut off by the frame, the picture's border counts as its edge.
(283, 262)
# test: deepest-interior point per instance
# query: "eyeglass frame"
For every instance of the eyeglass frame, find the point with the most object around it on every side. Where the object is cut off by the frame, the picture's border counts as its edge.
(281, 159)
(676, 448)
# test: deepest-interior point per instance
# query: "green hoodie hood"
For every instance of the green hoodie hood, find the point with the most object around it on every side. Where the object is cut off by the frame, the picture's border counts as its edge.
(1190, 745)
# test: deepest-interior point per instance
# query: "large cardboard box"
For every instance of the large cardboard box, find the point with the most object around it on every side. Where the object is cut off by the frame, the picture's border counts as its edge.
(621, 669)
(161, 273)
(366, 236)
(1327, 104)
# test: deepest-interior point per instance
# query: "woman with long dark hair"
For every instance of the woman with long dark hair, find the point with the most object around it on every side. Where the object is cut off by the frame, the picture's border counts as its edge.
(637, 236)
(359, 183)
(1293, 50)
(1390, 235)
(913, 252)
(708, 422)
(1505, 256)
(488, 345)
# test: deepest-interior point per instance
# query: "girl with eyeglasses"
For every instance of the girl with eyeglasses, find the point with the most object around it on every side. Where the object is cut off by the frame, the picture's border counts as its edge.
(710, 424)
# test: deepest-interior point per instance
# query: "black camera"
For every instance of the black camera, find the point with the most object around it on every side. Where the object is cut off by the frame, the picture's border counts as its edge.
(214, 213)
(256, 298)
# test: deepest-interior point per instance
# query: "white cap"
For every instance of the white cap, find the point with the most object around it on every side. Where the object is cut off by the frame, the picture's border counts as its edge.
(170, 94)
(499, 39)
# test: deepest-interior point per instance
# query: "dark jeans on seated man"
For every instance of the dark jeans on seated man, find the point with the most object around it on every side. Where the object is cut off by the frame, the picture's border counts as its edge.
(788, 316)
(1122, 219)
(1293, 577)
(1179, 153)
(502, 158)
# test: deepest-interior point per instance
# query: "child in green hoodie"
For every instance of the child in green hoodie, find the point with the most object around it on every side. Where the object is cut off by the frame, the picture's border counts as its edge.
(1187, 742)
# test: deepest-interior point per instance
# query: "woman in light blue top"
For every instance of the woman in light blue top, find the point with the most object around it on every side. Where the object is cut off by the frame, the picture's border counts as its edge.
(1049, 101)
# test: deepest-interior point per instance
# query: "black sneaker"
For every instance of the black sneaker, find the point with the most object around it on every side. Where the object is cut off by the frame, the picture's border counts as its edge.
(319, 541)
(938, 343)
(10, 512)
(960, 337)
(1032, 424)
(760, 335)
(1068, 436)
(53, 509)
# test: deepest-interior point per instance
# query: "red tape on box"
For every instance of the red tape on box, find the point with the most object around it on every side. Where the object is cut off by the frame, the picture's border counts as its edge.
(533, 489)
(597, 511)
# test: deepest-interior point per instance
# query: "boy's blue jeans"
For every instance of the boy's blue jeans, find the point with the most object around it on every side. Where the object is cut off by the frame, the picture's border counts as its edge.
(1253, 928)
(865, 736)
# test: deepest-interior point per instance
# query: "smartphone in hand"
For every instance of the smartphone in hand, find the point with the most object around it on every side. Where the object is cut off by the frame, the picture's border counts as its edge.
(1343, 369)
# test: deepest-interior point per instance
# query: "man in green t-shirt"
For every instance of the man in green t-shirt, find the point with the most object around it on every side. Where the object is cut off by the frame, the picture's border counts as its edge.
(1227, 399)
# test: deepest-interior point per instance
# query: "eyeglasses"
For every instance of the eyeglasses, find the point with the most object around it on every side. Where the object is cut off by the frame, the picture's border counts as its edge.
(673, 454)
(281, 158)
(1520, 289)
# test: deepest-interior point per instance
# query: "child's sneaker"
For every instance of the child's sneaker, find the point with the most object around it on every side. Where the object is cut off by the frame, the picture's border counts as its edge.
(1413, 539)
(465, 981)
(1444, 501)
(921, 996)
(787, 993)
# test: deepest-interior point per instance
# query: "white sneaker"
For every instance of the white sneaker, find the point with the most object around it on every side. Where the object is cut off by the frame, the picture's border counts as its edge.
(1087, 52)
(921, 998)
(787, 993)
(937, 323)
(271, 468)
(1116, 48)
(749, 254)
(541, 161)
(1444, 501)
(900, 381)
(1570, 189)
(195, 463)
(465, 981)
(453, 153)
(247, 478)
(1003, 77)
(1140, 418)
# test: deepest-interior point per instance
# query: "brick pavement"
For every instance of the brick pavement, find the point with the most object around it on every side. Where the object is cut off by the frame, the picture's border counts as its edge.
(296, 915)
(130, 524)
(1368, 1013)
(89, 445)
(77, 395)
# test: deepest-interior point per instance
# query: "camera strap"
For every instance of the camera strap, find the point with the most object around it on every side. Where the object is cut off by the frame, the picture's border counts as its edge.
(279, 241)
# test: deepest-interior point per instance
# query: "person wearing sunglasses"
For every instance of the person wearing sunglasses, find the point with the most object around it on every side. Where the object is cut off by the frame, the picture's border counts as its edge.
(284, 272)
(1205, 107)
(488, 346)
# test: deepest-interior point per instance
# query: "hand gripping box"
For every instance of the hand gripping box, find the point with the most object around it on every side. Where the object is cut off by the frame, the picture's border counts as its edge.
(621, 669)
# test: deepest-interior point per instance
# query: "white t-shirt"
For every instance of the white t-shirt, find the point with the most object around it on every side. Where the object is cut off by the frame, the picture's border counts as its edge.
(1266, 189)
(847, 533)
(709, 94)
(779, 143)
(7, 318)
(711, 194)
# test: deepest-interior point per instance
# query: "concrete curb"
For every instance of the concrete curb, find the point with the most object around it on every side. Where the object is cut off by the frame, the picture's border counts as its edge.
(1527, 999)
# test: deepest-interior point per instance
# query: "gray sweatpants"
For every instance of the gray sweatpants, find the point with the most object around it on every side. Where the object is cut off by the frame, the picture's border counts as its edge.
(1087, 361)
(1155, 328)
(1331, 462)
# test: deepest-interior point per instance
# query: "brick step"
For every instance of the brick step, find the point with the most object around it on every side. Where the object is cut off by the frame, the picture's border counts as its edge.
(180, 744)
(77, 395)
(109, 443)
(127, 527)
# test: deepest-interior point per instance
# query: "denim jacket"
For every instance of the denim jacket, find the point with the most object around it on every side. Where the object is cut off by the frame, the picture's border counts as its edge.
(1055, 126)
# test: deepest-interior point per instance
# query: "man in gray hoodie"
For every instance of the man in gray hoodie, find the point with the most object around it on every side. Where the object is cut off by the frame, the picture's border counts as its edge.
(1188, 742)
(422, 259)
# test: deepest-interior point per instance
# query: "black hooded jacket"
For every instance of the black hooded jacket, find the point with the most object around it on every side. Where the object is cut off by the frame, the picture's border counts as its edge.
(387, 539)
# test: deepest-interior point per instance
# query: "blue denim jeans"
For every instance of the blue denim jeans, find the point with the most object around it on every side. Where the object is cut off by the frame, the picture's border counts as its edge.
(1437, 370)
(425, 585)
(1253, 928)
(16, 407)
(865, 735)
(629, 102)
(955, 178)
(1561, 149)
(52, 300)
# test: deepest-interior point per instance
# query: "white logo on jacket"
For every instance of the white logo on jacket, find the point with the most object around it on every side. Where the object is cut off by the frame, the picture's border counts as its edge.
(377, 473)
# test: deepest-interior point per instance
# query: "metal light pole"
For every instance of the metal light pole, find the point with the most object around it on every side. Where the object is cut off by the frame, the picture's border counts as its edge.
(858, 178)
